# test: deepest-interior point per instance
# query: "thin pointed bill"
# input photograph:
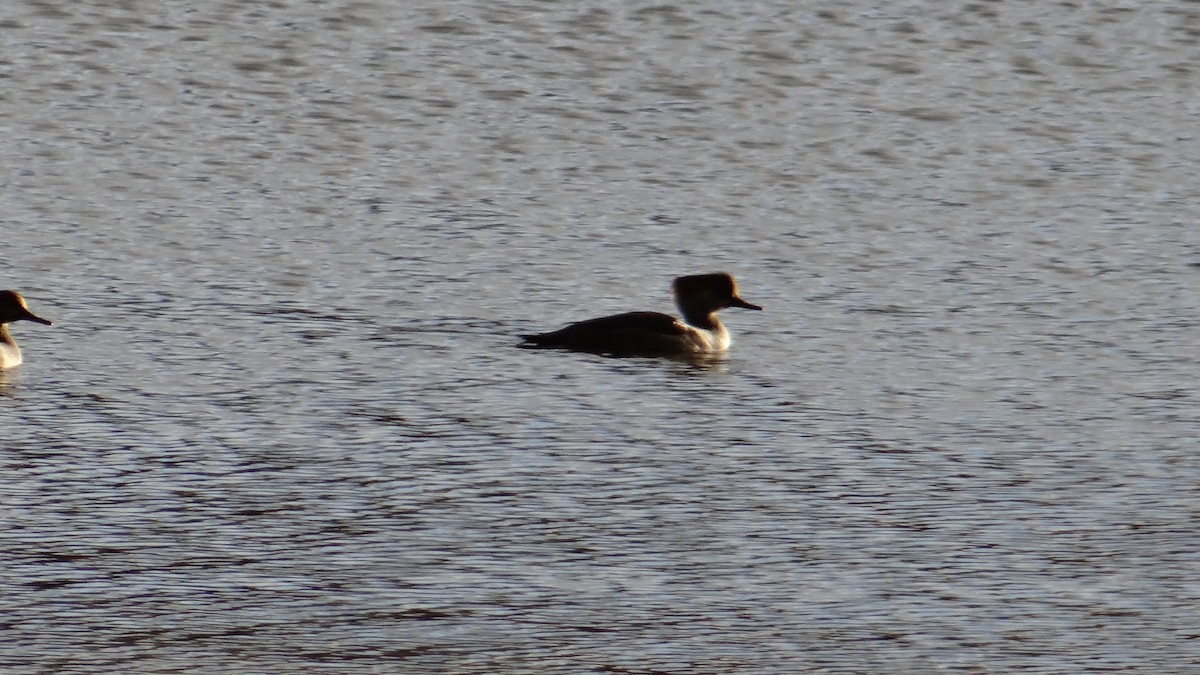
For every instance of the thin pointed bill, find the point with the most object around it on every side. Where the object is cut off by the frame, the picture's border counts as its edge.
(30, 316)
(738, 302)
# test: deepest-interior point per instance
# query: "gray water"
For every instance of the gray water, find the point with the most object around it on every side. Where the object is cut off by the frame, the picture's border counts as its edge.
(280, 424)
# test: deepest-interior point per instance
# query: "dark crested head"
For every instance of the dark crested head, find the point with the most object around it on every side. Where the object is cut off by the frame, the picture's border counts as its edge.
(13, 308)
(717, 290)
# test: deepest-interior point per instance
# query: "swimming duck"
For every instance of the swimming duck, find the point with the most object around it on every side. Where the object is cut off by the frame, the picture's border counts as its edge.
(698, 297)
(13, 308)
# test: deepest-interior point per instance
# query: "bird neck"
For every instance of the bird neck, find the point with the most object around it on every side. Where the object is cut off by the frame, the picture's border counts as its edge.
(699, 315)
(10, 353)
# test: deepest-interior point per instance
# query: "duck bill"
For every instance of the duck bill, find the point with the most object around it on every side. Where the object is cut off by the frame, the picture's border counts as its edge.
(30, 316)
(738, 302)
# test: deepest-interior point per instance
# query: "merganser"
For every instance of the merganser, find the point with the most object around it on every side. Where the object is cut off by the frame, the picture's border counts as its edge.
(13, 308)
(652, 333)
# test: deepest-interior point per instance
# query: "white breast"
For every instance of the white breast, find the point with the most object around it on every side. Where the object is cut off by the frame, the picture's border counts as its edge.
(10, 355)
(709, 341)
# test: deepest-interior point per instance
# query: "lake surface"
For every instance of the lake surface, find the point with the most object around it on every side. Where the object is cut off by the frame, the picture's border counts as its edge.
(280, 424)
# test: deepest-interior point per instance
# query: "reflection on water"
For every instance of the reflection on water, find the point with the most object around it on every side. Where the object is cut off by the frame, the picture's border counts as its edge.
(683, 364)
(282, 423)
(8, 378)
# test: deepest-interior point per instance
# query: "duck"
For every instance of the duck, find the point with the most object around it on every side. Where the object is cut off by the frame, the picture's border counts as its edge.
(699, 297)
(13, 308)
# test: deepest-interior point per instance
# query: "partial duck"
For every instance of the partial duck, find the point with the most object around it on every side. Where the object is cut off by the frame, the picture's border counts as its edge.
(13, 308)
(698, 297)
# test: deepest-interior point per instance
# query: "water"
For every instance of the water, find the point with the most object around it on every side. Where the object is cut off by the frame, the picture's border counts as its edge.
(280, 424)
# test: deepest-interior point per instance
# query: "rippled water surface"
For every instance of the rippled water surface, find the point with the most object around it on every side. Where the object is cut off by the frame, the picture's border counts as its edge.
(280, 424)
